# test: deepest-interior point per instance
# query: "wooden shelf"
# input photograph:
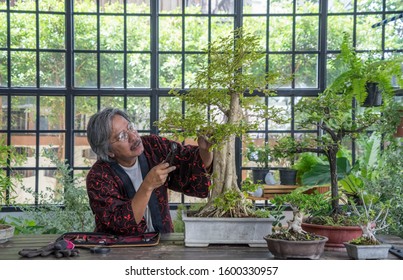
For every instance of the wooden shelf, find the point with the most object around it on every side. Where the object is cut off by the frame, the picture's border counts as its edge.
(270, 191)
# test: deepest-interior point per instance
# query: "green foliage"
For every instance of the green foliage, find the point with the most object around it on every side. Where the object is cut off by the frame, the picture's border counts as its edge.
(260, 155)
(61, 210)
(248, 185)
(359, 71)
(387, 183)
(9, 157)
(227, 76)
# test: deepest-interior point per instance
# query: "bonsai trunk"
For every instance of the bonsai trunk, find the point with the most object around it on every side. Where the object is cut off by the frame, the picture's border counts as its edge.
(224, 176)
(332, 158)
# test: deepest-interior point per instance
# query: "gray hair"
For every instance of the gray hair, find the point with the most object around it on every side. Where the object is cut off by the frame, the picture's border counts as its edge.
(99, 130)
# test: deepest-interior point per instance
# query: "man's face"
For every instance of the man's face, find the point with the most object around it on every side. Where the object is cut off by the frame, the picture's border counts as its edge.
(125, 142)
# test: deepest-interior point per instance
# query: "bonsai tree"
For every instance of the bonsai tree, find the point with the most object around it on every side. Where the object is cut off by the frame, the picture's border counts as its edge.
(337, 119)
(221, 106)
(373, 220)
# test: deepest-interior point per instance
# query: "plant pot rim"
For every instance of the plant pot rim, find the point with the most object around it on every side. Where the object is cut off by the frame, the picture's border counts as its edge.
(332, 226)
(322, 239)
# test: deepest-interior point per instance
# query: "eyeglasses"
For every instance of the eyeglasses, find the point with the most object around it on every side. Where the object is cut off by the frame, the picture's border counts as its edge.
(123, 136)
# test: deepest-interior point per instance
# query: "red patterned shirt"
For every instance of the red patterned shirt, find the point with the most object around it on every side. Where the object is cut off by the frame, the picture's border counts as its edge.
(110, 203)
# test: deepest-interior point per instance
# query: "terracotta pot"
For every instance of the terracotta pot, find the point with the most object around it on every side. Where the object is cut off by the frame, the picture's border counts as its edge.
(286, 249)
(337, 234)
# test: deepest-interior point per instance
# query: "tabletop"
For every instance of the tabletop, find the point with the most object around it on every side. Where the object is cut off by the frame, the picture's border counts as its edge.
(170, 247)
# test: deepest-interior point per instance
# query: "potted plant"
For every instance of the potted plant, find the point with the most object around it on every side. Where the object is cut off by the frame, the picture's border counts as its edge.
(217, 109)
(292, 241)
(9, 157)
(368, 80)
(287, 172)
(374, 215)
(261, 156)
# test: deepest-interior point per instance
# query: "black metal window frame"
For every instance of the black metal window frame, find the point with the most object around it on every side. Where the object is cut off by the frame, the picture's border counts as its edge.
(154, 93)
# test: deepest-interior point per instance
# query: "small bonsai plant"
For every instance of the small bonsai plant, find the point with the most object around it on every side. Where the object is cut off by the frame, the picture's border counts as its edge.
(262, 156)
(374, 214)
(217, 109)
(360, 74)
(337, 117)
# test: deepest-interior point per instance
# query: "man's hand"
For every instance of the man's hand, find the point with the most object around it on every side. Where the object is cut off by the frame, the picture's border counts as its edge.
(158, 175)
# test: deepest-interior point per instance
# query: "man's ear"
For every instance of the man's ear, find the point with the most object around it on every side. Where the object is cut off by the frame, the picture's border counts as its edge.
(111, 155)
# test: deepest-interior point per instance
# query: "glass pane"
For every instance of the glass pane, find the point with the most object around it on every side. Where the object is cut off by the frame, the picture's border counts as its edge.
(393, 35)
(3, 29)
(340, 6)
(257, 27)
(84, 108)
(168, 103)
(222, 7)
(298, 116)
(306, 69)
(170, 70)
(27, 178)
(139, 110)
(3, 69)
(51, 31)
(51, 5)
(111, 70)
(138, 70)
(337, 25)
(111, 33)
(281, 7)
(52, 73)
(281, 63)
(197, 7)
(307, 6)
(23, 69)
(368, 38)
(280, 33)
(85, 6)
(369, 5)
(170, 34)
(112, 101)
(273, 139)
(85, 32)
(256, 7)
(139, 7)
(138, 33)
(170, 7)
(3, 5)
(83, 154)
(23, 113)
(25, 143)
(307, 33)
(196, 33)
(253, 115)
(221, 26)
(52, 112)
(26, 5)
(54, 143)
(3, 113)
(283, 103)
(23, 30)
(193, 63)
(85, 70)
(111, 7)
(49, 183)
(394, 5)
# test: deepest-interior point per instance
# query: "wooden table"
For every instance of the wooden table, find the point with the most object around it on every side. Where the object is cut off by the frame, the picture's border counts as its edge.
(170, 248)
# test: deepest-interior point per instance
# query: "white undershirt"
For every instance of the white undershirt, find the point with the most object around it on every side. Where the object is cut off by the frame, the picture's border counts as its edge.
(134, 173)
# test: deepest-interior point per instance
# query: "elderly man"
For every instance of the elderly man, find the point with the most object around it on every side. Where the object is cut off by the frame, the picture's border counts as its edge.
(128, 185)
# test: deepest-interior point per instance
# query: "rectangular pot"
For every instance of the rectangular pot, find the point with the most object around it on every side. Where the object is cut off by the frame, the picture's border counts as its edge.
(201, 232)
(367, 252)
